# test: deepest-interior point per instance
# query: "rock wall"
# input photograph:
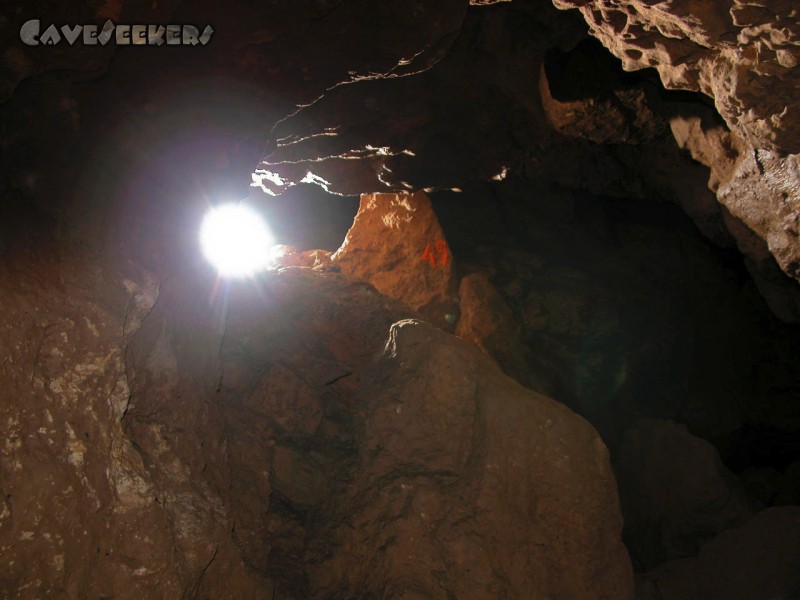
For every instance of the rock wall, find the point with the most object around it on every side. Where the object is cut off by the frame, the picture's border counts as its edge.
(745, 56)
(288, 442)
(83, 512)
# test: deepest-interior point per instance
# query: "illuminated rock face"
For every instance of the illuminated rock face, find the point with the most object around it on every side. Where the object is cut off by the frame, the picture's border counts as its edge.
(397, 244)
(470, 486)
(85, 512)
(745, 56)
(307, 443)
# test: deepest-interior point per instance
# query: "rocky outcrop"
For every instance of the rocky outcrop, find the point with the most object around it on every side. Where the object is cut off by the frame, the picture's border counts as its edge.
(461, 472)
(82, 512)
(163, 440)
(756, 199)
(744, 55)
(397, 244)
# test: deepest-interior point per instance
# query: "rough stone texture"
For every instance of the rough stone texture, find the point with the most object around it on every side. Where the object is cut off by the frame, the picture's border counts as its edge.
(397, 244)
(163, 440)
(83, 515)
(406, 133)
(202, 453)
(744, 55)
(675, 493)
(461, 472)
(758, 561)
(387, 135)
(751, 223)
(401, 134)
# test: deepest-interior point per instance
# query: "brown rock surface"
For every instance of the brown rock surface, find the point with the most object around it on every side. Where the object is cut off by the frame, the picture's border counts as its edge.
(83, 514)
(489, 323)
(675, 493)
(460, 473)
(745, 56)
(397, 244)
(155, 446)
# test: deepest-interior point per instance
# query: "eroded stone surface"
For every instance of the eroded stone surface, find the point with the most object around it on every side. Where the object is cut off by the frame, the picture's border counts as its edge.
(397, 245)
(202, 452)
(83, 514)
(744, 55)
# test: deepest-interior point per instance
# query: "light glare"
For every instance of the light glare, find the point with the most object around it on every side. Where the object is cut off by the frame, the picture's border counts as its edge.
(235, 240)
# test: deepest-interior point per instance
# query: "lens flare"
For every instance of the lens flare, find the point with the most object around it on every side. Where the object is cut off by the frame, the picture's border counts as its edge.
(235, 240)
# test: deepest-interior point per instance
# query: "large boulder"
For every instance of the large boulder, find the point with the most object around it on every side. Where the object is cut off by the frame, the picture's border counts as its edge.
(470, 486)
(272, 442)
(85, 512)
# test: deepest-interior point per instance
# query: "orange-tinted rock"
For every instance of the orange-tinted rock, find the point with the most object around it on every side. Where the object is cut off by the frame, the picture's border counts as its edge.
(397, 245)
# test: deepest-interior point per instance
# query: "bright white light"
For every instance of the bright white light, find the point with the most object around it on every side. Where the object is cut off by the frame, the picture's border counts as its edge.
(235, 239)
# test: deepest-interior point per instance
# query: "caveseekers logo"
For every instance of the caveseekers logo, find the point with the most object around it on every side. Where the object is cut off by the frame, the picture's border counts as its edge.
(123, 35)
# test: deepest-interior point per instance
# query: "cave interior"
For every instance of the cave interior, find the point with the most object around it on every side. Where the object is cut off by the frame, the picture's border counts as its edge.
(529, 330)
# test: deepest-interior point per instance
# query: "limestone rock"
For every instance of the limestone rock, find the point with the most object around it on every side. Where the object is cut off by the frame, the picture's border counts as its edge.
(675, 493)
(346, 465)
(397, 245)
(744, 55)
(740, 53)
(759, 194)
